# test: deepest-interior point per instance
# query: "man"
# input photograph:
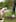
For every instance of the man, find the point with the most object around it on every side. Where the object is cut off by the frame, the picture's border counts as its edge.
(13, 12)
(2, 12)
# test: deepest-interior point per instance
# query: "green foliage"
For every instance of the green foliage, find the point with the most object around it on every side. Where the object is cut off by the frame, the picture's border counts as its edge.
(5, 4)
(1, 4)
(8, 14)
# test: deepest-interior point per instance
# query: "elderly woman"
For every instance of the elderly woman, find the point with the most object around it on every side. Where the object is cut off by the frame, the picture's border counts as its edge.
(1, 13)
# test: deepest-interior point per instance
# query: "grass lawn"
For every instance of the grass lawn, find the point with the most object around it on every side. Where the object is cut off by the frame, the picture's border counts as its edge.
(9, 20)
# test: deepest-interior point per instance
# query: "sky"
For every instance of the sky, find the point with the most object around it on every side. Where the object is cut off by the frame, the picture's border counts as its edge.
(1, 0)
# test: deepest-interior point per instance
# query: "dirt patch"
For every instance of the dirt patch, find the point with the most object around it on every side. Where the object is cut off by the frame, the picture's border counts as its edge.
(10, 17)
